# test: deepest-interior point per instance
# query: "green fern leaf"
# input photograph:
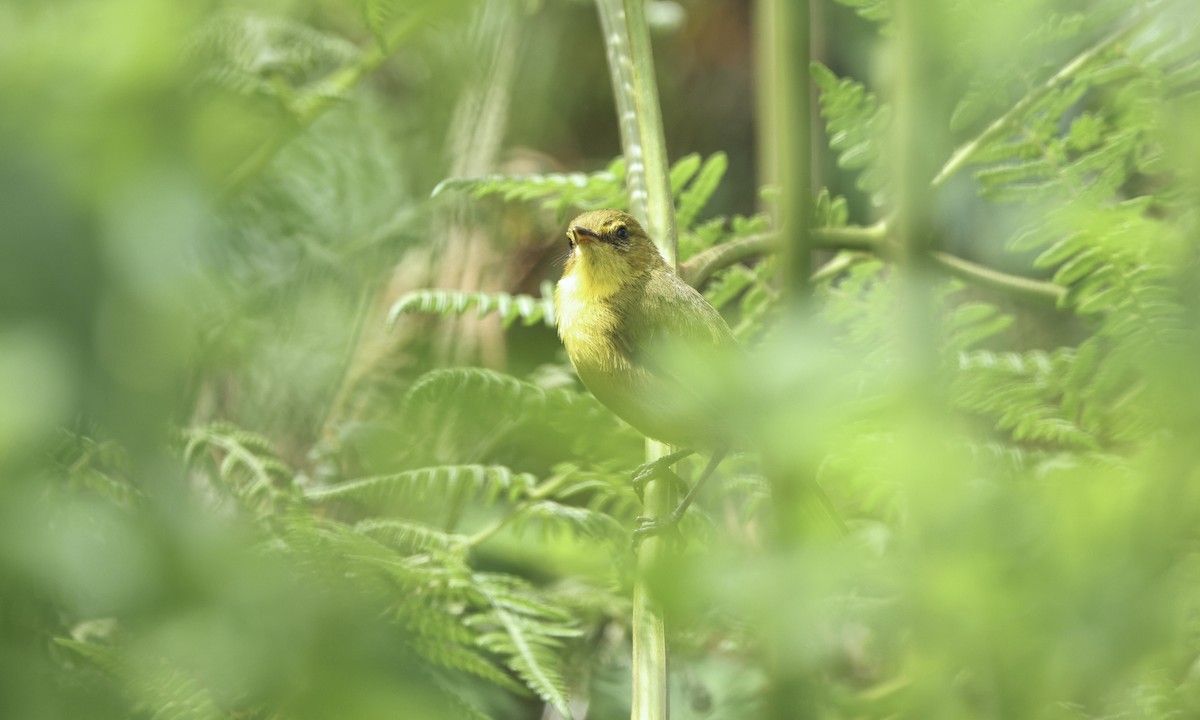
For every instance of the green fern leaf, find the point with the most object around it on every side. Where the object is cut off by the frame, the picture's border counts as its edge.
(556, 520)
(557, 190)
(451, 656)
(408, 537)
(973, 323)
(440, 391)
(682, 172)
(728, 284)
(154, 684)
(246, 465)
(1023, 393)
(380, 492)
(874, 10)
(695, 197)
(855, 122)
(528, 640)
(528, 309)
(250, 54)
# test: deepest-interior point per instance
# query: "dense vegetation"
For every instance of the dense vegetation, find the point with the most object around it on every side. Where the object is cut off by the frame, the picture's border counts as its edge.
(286, 431)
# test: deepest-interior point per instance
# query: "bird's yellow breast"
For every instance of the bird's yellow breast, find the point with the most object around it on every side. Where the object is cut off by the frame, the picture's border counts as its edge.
(587, 321)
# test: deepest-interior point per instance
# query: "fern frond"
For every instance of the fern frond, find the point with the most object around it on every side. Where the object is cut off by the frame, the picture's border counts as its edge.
(555, 520)
(609, 493)
(329, 549)
(528, 309)
(874, 10)
(1022, 393)
(408, 536)
(467, 659)
(728, 284)
(444, 389)
(101, 466)
(154, 684)
(855, 122)
(972, 323)
(378, 15)
(557, 190)
(830, 211)
(456, 415)
(859, 303)
(251, 54)
(529, 634)
(694, 198)
(488, 482)
(758, 303)
(683, 171)
(246, 466)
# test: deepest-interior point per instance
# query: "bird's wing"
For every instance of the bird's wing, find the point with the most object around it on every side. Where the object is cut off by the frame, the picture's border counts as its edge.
(673, 317)
(667, 340)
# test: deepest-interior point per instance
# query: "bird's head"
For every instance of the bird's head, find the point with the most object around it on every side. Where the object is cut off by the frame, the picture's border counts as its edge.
(609, 249)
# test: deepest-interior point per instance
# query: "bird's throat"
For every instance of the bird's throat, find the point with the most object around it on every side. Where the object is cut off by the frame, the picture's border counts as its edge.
(595, 276)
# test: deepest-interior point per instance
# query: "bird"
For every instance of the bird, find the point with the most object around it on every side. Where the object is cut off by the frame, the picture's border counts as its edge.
(625, 317)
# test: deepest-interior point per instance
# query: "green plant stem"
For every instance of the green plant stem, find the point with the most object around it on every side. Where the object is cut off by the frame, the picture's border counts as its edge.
(702, 267)
(315, 101)
(1015, 285)
(660, 206)
(620, 70)
(963, 154)
(791, 134)
(631, 67)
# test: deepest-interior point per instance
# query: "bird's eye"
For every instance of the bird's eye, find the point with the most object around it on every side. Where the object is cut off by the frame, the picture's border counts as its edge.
(622, 232)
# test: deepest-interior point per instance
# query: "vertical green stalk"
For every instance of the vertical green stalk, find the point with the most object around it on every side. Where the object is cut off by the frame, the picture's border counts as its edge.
(915, 146)
(784, 33)
(620, 71)
(631, 66)
(660, 206)
(788, 94)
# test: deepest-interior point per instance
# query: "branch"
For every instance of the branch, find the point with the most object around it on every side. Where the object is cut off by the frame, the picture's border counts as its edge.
(700, 268)
(1016, 285)
(1005, 122)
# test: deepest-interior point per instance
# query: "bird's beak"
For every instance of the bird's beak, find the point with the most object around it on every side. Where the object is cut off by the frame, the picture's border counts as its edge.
(581, 234)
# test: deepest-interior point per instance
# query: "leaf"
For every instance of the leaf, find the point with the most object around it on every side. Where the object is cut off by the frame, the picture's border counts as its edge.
(556, 520)
(154, 684)
(683, 171)
(559, 191)
(528, 309)
(856, 123)
(696, 196)
(529, 639)
(381, 491)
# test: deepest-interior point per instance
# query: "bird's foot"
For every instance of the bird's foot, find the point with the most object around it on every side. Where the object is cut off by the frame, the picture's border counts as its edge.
(649, 527)
(659, 469)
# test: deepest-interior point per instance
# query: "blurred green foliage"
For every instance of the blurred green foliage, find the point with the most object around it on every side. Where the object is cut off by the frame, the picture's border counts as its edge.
(228, 490)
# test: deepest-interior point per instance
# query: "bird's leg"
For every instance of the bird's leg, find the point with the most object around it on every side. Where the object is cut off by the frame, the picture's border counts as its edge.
(654, 526)
(660, 468)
